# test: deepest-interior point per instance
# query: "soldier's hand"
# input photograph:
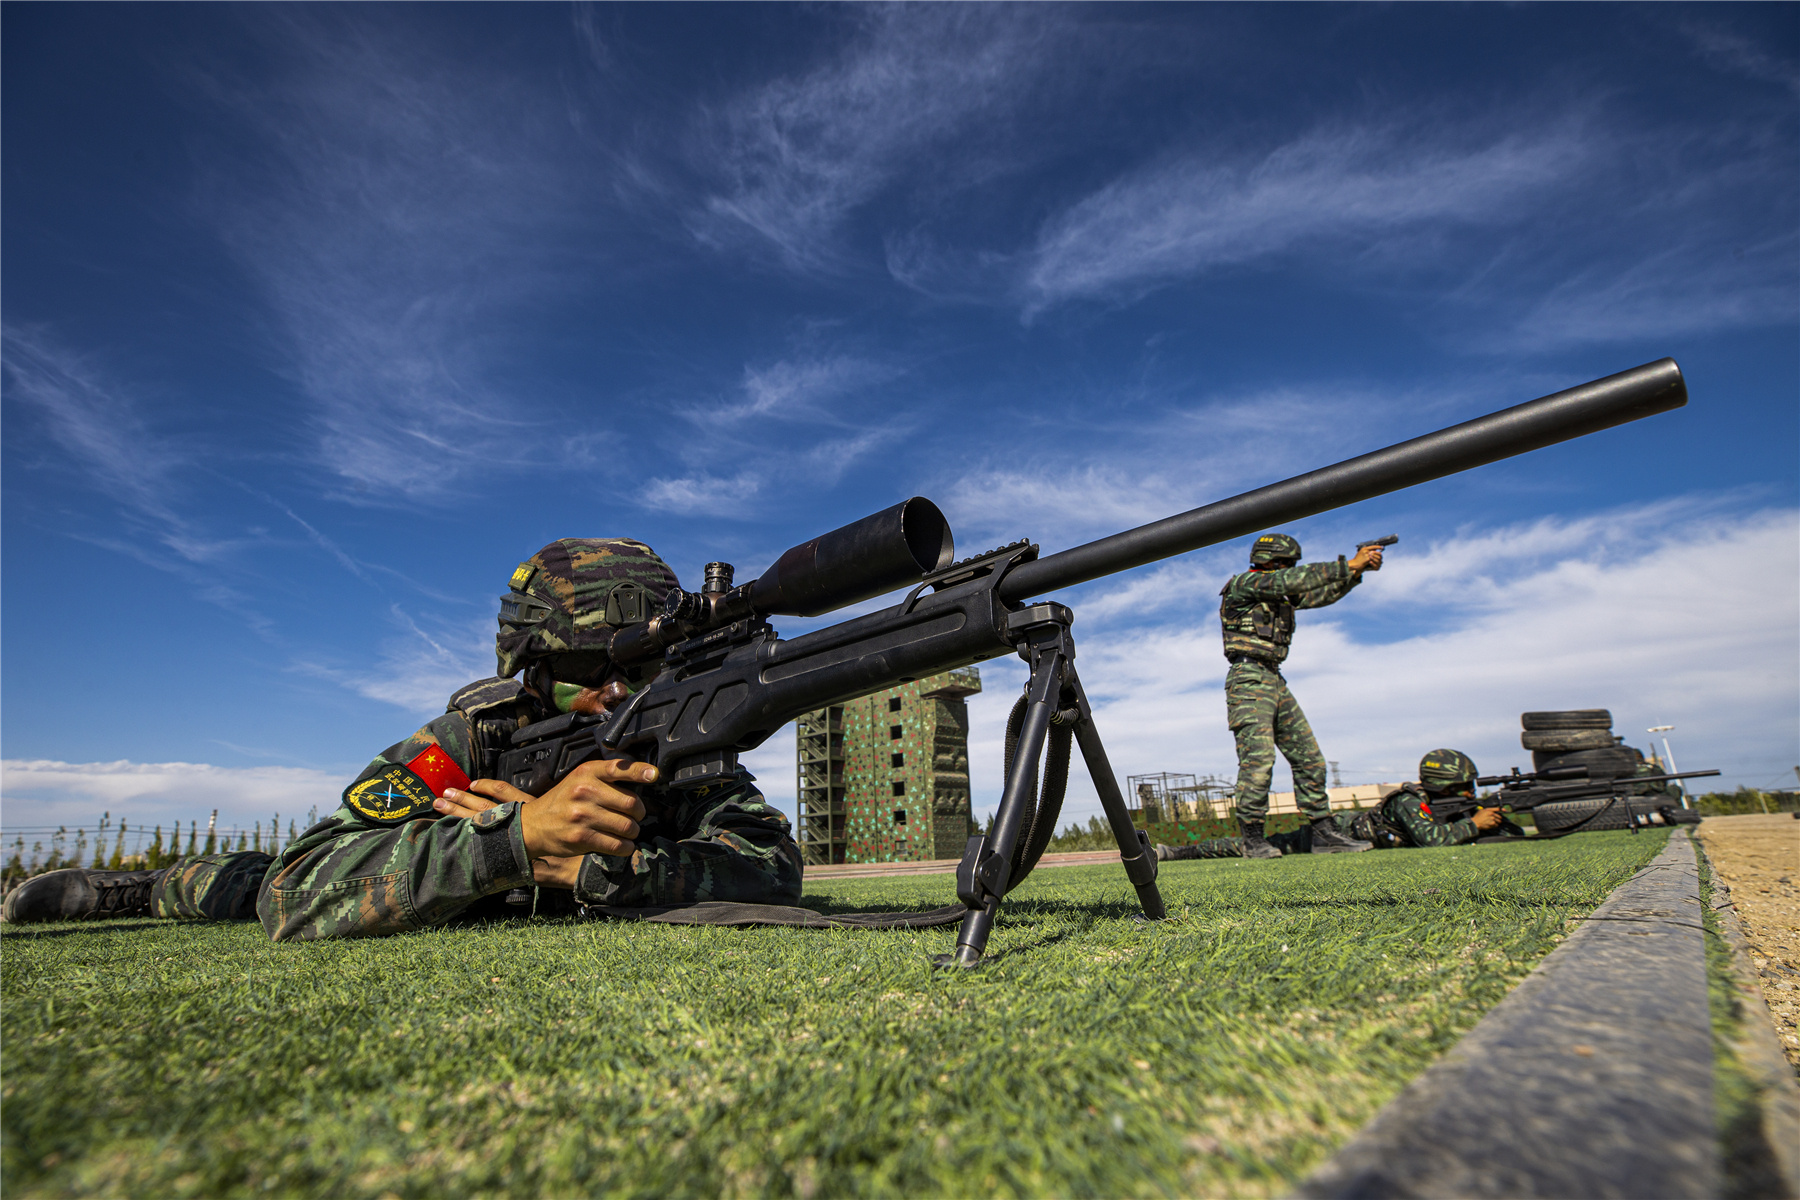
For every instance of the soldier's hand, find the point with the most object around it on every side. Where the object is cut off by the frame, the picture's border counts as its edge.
(595, 810)
(1487, 818)
(1367, 559)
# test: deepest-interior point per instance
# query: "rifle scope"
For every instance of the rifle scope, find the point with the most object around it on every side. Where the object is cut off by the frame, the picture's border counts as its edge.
(1640, 392)
(865, 558)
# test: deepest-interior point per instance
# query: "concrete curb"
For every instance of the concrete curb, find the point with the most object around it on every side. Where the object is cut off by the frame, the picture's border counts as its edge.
(1593, 1078)
(1762, 1058)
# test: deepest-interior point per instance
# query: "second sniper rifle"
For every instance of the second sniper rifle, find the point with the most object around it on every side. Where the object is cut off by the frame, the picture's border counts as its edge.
(728, 680)
(1558, 785)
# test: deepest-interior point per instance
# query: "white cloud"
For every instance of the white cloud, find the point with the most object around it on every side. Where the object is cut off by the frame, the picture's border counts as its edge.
(100, 426)
(41, 793)
(1196, 212)
(1667, 614)
(397, 203)
(1735, 54)
(417, 667)
(709, 495)
(801, 419)
(799, 155)
(1698, 286)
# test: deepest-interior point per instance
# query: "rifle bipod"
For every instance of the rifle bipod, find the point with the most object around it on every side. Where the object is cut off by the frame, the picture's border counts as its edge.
(994, 863)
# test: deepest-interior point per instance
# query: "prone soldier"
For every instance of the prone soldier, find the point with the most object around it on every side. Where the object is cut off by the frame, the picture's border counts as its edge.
(1403, 819)
(1256, 616)
(427, 834)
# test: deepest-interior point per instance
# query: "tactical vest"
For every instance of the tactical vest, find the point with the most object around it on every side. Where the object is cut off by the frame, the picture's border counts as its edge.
(494, 708)
(1267, 620)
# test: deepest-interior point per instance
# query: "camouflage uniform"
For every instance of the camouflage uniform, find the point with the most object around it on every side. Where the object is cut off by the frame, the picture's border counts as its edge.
(386, 862)
(1256, 618)
(1402, 820)
(383, 863)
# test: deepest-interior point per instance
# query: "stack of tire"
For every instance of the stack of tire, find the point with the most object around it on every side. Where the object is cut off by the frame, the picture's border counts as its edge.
(1583, 737)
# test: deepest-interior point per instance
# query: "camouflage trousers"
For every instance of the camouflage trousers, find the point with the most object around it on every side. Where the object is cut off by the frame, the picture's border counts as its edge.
(216, 887)
(1298, 841)
(1264, 718)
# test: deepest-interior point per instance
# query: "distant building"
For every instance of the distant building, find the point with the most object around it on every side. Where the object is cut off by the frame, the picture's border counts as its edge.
(885, 778)
(1168, 796)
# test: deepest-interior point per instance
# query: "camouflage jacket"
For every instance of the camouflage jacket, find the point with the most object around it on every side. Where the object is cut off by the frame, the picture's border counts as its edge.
(1404, 819)
(1256, 608)
(384, 862)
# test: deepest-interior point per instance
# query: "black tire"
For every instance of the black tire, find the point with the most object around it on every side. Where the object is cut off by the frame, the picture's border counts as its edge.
(1568, 718)
(1609, 763)
(1562, 741)
(1554, 818)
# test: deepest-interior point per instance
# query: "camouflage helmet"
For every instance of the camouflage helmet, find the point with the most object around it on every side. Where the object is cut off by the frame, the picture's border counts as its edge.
(569, 598)
(1446, 771)
(1273, 547)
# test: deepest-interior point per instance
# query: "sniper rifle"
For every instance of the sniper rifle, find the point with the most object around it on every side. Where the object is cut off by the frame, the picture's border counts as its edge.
(1524, 791)
(728, 680)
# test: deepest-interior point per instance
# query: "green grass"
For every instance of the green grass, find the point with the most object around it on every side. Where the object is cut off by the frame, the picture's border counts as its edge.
(1225, 1051)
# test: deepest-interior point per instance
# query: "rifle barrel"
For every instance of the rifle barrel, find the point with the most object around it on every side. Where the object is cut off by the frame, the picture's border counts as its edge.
(1628, 396)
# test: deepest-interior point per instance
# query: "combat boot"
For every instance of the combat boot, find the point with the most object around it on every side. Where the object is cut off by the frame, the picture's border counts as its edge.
(75, 893)
(1327, 838)
(1255, 844)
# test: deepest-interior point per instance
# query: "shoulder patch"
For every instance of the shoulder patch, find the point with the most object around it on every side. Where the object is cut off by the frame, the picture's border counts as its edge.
(393, 793)
(484, 694)
(437, 770)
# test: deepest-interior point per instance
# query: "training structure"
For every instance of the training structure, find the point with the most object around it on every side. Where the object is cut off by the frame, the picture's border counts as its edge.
(885, 778)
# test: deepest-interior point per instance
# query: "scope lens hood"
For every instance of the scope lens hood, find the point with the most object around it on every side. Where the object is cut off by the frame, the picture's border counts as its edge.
(887, 550)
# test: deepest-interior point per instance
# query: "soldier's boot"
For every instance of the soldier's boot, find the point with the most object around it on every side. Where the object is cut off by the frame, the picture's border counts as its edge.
(72, 894)
(1164, 852)
(1255, 844)
(1328, 839)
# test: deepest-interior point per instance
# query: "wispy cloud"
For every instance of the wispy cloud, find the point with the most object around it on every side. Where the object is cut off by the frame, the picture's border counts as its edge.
(1617, 610)
(1735, 54)
(43, 792)
(100, 427)
(1699, 286)
(708, 495)
(395, 211)
(1202, 210)
(418, 665)
(798, 156)
(805, 420)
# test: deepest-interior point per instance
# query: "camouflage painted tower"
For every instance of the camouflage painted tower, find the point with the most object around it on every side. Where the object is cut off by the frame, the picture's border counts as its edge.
(885, 778)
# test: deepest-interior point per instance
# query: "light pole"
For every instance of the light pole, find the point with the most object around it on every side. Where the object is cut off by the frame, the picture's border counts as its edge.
(1669, 758)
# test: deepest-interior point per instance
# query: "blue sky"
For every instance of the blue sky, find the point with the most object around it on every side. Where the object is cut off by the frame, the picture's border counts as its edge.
(318, 319)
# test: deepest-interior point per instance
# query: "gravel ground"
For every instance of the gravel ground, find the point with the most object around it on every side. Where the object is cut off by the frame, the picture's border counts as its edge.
(1759, 858)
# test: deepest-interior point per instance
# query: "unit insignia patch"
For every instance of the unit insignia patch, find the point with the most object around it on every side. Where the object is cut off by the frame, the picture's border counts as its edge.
(394, 794)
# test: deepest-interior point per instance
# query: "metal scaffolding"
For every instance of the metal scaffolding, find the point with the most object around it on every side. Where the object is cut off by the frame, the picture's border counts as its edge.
(1173, 796)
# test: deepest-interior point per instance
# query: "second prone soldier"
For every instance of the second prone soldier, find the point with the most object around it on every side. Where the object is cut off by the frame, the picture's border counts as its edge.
(1256, 615)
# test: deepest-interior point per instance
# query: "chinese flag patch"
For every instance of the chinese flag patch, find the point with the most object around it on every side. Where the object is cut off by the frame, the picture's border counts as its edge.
(1423, 807)
(438, 770)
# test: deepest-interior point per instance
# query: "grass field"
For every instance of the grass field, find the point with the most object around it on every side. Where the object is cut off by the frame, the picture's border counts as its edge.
(1223, 1052)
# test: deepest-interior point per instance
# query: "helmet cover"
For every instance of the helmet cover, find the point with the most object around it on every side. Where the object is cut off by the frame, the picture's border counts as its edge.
(1446, 771)
(1273, 547)
(569, 598)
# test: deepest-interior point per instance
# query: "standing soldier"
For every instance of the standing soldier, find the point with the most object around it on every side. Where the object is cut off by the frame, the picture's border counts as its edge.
(1256, 615)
